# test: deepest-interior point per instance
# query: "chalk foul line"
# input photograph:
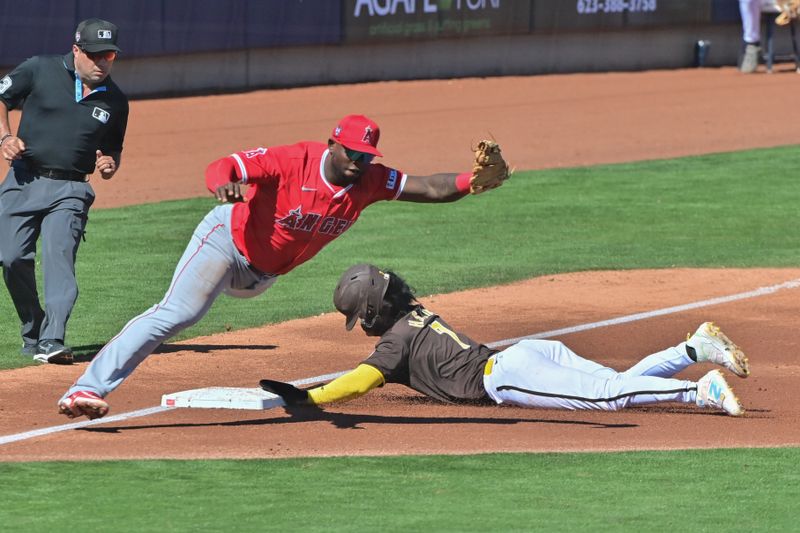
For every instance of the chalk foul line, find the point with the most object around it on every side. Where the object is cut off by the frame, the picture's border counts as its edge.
(762, 291)
(793, 284)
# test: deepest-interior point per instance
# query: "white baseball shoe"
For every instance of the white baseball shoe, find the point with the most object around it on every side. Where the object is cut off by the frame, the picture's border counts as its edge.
(750, 58)
(83, 403)
(711, 345)
(714, 391)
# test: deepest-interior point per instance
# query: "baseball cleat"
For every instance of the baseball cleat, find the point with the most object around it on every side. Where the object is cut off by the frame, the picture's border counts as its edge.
(83, 403)
(750, 58)
(29, 349)
(714, 391)
(711, 345)
(53, 352)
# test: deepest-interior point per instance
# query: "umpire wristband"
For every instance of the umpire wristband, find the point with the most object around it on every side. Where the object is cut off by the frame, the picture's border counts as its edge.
(463, 182)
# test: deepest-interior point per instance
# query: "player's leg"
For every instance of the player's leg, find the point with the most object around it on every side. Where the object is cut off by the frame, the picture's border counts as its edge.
(707, 344)
(750, 11)
(561, 354)
(663, 364)
(20, 224)
(62, 231)
(204, 270)
(525, 375)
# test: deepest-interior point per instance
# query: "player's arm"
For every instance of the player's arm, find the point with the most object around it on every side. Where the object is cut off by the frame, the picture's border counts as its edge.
(489, 171)
(436, 188)
(107, 164)
(5, 125)
(6, 136)
(113, 146)
(11, 146)
(350, 386)
(226, 175)
(15, 86)
(344, 388)
(223, 180)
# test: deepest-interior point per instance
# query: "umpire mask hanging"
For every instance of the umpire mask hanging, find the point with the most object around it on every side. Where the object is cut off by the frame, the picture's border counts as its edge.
(360, 294)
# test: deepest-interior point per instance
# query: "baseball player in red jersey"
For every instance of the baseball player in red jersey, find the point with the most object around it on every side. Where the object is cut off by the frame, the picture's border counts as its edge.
(417, 348)
(300, 198)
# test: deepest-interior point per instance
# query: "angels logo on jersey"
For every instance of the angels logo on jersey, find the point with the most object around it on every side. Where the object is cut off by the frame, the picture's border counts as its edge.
(296, 220)
(293, 219)
(254, 152)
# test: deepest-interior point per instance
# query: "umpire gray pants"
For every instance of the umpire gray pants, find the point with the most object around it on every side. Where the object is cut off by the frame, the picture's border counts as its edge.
(57, 210)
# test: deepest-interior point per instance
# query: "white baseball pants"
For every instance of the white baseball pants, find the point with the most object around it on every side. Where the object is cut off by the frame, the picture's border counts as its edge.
(547, 374)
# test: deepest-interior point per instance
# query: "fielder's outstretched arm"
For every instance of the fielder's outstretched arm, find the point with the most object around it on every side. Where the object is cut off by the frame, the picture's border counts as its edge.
(435, 188)
(489, 171)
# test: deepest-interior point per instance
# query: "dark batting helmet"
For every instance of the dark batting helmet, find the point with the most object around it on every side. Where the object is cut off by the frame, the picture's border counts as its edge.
(360, 293)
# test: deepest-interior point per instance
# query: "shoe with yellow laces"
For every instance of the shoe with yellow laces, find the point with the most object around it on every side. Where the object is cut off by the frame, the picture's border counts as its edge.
(711, 344)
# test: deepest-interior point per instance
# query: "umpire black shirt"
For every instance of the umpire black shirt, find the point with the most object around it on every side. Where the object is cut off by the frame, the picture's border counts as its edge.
(60, 132)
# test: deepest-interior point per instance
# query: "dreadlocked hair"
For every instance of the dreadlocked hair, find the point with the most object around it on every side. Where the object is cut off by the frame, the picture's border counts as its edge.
(399, 297)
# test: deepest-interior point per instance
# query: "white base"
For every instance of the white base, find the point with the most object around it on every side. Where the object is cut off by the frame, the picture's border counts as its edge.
(222, 398)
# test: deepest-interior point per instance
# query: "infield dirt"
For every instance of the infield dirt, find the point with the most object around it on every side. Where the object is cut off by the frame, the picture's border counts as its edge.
(428, 126)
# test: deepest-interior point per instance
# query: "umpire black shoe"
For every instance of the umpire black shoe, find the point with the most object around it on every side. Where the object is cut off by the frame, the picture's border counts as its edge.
(53, 352)
(29, 349)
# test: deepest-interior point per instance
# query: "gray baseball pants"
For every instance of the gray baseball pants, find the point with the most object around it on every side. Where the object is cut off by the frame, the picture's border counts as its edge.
(210, 265)
(57, 210)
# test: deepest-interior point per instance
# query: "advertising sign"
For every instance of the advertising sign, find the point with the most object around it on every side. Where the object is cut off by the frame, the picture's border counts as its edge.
(556, 15)
(395, 20)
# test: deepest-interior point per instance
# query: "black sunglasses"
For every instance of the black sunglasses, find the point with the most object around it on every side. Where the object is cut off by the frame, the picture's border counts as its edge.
(108, 55)
(356, 156)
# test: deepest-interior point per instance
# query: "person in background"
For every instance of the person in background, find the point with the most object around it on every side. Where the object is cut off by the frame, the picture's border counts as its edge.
(750, 10)
(73, 124)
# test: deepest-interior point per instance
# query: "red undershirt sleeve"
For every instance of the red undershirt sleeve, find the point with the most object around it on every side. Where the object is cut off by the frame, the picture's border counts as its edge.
(221, 172)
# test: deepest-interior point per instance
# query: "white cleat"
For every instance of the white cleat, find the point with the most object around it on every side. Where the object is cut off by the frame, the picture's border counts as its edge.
(714, 391)
(711, 345)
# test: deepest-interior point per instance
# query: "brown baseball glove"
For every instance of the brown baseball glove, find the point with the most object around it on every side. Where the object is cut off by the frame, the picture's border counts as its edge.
(790, 9)
(490, 169)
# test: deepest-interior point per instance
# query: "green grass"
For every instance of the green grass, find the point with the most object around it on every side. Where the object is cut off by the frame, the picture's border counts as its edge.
(708, 490)
(722, 210)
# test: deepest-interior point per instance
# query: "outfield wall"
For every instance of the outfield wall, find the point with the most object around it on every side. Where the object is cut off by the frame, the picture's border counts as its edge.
(485, 56)
(173, 47)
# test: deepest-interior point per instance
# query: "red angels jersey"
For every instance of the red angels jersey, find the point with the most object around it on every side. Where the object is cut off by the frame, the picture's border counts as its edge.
(291, 210)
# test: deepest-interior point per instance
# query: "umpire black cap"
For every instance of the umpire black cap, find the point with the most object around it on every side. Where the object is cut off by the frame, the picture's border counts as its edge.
(360, 293)
(96, 35)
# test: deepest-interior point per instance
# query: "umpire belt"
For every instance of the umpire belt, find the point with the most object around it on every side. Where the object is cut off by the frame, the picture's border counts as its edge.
(57, 174)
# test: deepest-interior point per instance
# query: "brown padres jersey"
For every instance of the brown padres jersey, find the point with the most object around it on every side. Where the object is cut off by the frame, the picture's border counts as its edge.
(421, 351)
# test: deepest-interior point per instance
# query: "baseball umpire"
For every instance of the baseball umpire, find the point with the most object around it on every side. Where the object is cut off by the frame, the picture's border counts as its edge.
(301, 197)
(418, 349)
(73, 124)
